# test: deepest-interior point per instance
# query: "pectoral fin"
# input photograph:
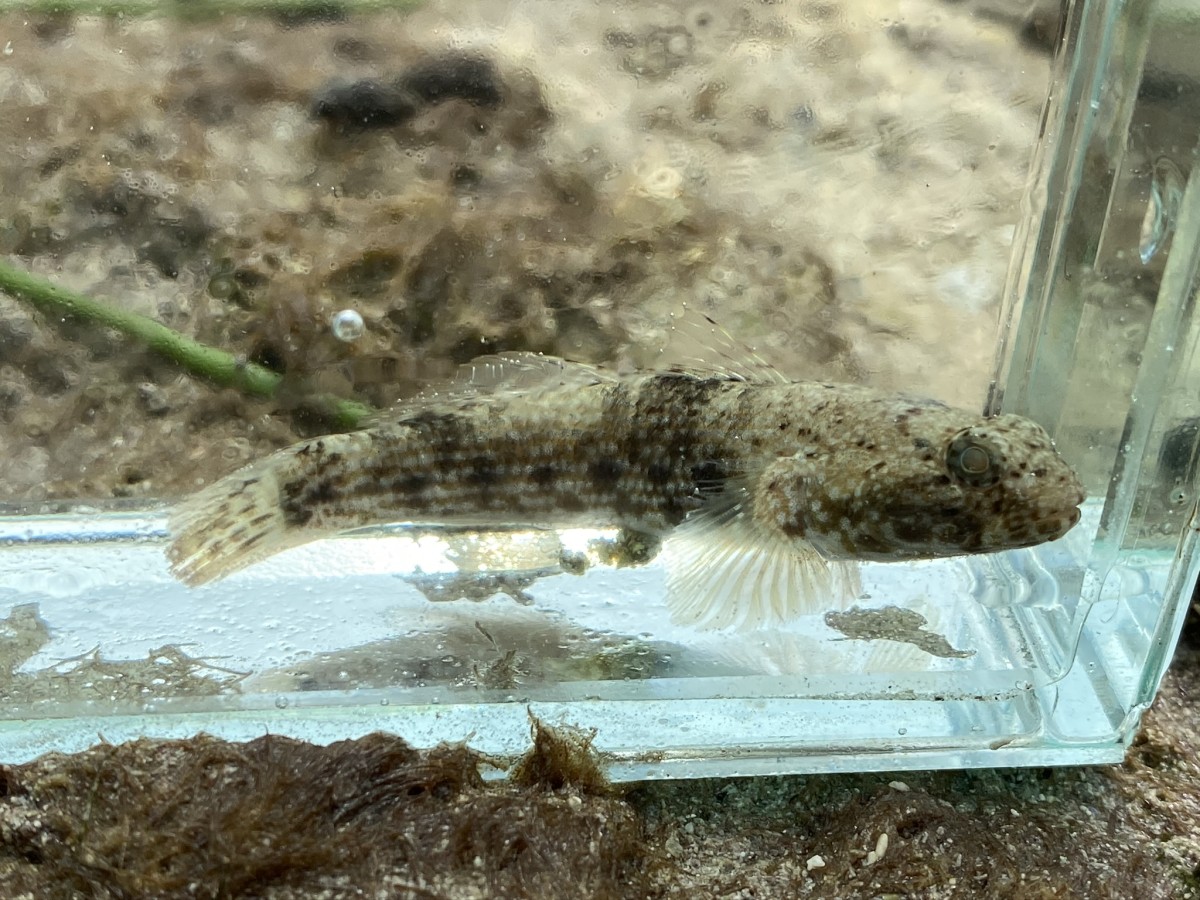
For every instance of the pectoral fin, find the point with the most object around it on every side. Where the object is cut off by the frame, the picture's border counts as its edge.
(726, 570)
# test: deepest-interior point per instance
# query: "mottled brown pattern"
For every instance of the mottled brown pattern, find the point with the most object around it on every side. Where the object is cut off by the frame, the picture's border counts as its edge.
(854, 473)
(641, 454)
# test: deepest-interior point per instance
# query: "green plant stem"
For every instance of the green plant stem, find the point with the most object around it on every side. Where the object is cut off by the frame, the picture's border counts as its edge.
(215, 365)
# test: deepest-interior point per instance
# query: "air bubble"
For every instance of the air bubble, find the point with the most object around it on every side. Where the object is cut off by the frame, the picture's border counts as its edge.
(1166, 191)
(347, 325)
(222, 286)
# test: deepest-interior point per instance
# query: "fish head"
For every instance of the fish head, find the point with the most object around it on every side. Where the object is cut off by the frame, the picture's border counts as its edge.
(946, 483)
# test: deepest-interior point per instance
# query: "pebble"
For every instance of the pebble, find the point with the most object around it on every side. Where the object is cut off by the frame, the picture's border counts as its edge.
(17, 329)
(372, 103)
(27, 469)
(12, 395)
(881, 845)
(153, 399)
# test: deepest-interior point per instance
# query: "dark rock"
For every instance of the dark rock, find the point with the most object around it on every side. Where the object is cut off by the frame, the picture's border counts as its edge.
(373, 103)
(363, 105)
(51, 374)
(465, 177)
(12, 395)
(455, 77)
(162, 254)
(314, 12)
(153, 399)
(429, 284)
(368, 275)
(17, 330)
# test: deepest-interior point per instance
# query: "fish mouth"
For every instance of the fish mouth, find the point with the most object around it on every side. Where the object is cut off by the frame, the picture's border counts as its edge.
(1055, 526)
(1064, 511)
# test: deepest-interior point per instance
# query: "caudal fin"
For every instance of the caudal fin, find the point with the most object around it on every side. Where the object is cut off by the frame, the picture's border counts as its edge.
(231, 524)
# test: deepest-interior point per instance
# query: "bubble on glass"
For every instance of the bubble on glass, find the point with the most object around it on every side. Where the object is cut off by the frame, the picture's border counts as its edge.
(222, 286)
(1166, 191)
(347, 325)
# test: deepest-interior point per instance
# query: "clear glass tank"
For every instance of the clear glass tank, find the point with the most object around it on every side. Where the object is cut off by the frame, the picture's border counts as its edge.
(350, 199)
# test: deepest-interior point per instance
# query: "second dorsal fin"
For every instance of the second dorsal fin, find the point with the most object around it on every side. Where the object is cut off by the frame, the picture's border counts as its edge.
(521, 371)
(698, 343)
(500, 373)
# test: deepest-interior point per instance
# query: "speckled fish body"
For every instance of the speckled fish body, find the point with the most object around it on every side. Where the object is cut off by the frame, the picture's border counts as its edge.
(764, 489)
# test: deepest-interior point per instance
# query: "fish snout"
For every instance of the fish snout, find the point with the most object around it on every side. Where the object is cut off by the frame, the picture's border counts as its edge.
(1057, 519)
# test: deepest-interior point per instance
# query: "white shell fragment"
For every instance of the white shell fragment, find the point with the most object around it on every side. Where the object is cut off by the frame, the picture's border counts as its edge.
(881, 845)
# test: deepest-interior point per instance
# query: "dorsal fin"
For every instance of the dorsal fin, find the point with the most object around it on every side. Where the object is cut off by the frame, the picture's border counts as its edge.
(521, 371)
(510, 372)
(698, 344)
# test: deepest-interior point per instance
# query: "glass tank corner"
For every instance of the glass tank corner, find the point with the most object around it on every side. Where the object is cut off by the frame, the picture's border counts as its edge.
(253, 236)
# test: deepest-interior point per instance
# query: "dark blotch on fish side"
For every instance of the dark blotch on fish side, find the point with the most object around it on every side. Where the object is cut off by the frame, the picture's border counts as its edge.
(295, 514)
(297, 504)
(607, 471)
(292, 500)
(569, 501)
(667, 442)
(447, 433)
(543, 474)
(659, 473)
(373, 103)
(412, 483)
(709, 476)
(483, 471)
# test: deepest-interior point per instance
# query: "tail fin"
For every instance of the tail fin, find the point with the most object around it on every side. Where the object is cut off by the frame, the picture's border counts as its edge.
(231, 524)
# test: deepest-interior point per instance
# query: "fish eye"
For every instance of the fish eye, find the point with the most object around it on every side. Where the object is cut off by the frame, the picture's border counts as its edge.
(974, 460)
